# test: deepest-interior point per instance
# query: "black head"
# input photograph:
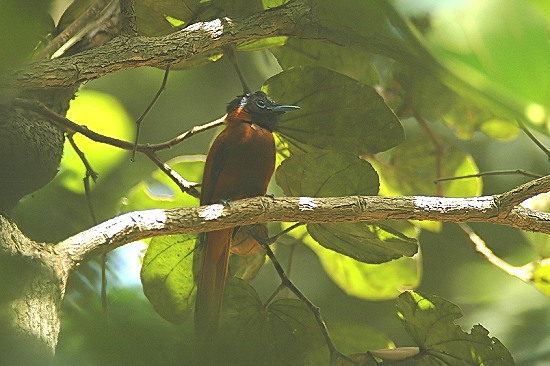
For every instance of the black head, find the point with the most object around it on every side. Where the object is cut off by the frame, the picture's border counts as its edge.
(258, 108)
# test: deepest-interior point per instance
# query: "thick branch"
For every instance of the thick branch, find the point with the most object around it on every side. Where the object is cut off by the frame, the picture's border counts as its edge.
(294, 19)
(131, 52)
(143, 224)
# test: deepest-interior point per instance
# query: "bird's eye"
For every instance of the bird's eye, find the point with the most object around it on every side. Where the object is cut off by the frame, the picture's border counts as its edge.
(260, 103)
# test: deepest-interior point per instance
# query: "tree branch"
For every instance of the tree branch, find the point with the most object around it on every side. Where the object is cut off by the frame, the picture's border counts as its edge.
(294, 19)
(144, 224)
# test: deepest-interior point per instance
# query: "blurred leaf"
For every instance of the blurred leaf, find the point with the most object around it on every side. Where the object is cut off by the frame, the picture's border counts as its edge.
(337, 112)
(246, 268)
(541, 276)
(355, 63)
(466, 117)
(268, 4)
(355, 338)
(101, 113)
(160, 191)
(422, 92)
(502, 50)
(326, 175)
(284, 333)
(23, 24)
(364, 242)
(500, 129)
(430, 322)
(261, 44)
(167, 277)
(412, 169)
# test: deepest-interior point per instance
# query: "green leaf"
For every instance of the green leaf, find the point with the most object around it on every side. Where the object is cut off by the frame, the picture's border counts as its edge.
(412, 169)
(364, 242)
(23, 24)
(500, 129)
(356, 338)
(261, 43)
(167, 277)
(326, 174)
(337, 113)
(104, 114)
(363, 280)
(355, 63)
(430, 322)
(160, 191)
(154, 18)
(284, 333)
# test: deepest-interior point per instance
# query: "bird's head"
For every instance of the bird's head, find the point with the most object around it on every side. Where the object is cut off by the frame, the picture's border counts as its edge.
(258, 108)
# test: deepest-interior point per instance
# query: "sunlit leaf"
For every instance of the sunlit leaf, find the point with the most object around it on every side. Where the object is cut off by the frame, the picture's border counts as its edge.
(540, 242)
(101, 113)
(413, 167)
(167, 276)
(430, 322)
(326, 174)
(355, 63)
(364, 280)
(284, 333)
(337, 113)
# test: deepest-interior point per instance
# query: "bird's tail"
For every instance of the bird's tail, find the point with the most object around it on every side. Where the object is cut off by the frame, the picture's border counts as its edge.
(213, 271)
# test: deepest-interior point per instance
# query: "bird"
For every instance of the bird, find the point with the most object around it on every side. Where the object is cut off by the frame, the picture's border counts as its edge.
(239, 165)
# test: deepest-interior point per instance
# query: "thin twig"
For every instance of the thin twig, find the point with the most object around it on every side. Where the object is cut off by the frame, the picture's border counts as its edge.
(74, 28)
(90, 173)
(523, 273)
(534, 138)
(184, 185)
(148, 149)
(146, 111)
(492, 172)
(439, 150)
(70, 127)
(89, 170)
(230, 53)
(285, 281)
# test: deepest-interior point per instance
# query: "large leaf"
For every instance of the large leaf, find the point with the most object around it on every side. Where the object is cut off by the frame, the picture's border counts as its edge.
(337, 113)
(430, 322)
(364, 242)
(283, 333)
(326, 174)
(167, 276)
(413, 167)
(364, 280)
(340, 174)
